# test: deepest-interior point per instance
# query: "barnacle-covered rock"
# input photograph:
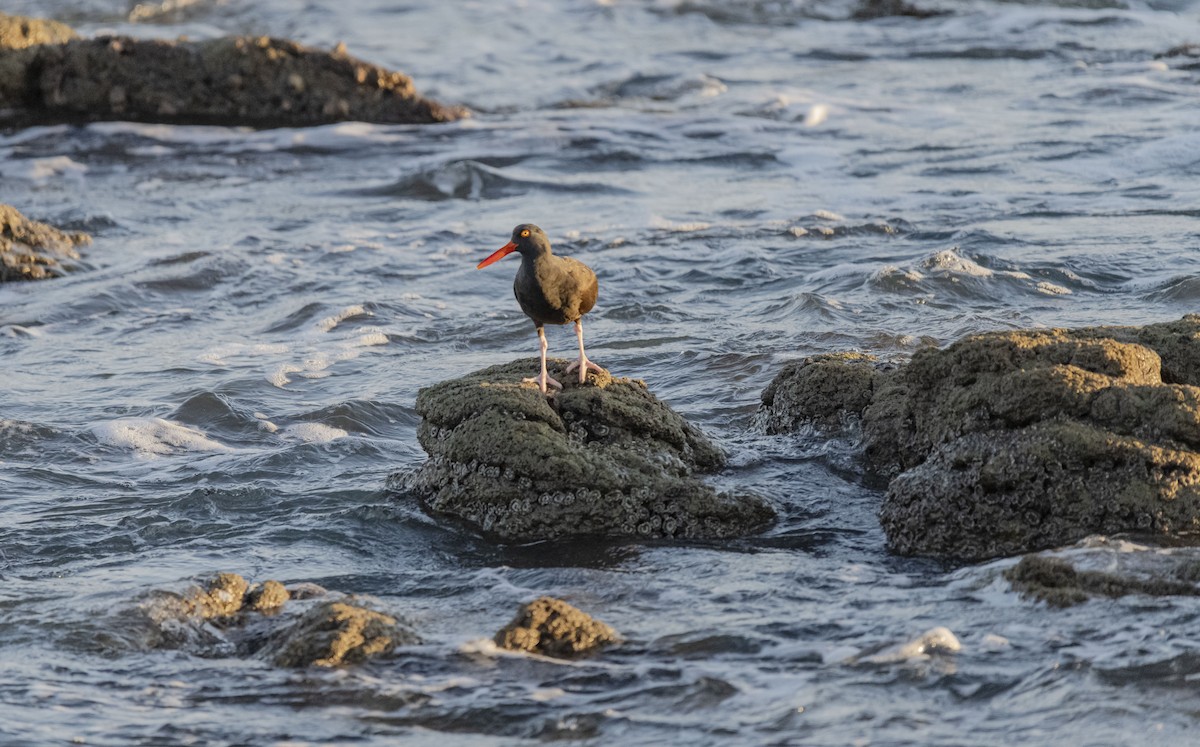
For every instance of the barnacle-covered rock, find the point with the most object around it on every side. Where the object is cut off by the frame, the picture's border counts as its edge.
(551, 627)
(605, 458)
(50, 76)
(1011, 442)
(823, 390)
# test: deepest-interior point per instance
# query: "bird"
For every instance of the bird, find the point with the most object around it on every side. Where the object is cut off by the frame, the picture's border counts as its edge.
(550, 290)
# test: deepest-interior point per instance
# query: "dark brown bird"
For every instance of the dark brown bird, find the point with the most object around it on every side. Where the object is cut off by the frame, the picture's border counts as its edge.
(550, 290)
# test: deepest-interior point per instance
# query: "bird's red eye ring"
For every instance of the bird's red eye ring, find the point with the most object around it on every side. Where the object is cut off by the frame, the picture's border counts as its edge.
(525, 234)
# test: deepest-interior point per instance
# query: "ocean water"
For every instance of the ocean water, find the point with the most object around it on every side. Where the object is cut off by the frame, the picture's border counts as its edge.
(227, 381)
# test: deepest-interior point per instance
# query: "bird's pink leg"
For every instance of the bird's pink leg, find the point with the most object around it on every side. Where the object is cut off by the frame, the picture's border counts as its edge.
(583, 364)
(544, 379)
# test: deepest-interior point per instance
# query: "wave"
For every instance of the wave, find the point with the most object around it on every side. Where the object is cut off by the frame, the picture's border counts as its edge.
(154, 437)
(474, 180)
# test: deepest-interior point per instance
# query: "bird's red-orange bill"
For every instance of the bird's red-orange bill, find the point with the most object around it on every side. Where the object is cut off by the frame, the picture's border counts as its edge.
(499, 254)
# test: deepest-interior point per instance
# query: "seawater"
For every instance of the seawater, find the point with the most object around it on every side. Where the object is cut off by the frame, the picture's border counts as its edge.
(228, 381)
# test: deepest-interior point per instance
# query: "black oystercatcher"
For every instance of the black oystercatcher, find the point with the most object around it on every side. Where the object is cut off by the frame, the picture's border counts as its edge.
(550, 290)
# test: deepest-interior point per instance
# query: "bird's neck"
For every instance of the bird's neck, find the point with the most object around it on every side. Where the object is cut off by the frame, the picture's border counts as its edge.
(535, 254)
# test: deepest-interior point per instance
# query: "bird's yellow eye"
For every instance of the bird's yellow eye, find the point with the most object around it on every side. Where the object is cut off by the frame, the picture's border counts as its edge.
(525, 234)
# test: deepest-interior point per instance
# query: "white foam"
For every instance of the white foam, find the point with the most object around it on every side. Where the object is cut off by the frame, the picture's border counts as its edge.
(330, 322)
(1052, 289)
(665, 225)
(155, 437)
(312, 343)
(314, 433)
(816, 115)
(951, 262)
(41, 169)
(993, 644)
(370, 339)
(939, 640)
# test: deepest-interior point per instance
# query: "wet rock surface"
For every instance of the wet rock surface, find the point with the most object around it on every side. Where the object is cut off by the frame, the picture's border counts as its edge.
(822, 390)
(334, 633)
(48, 76)
(551, 627)
(1067, 581)
(605, 458)
(1011, 442)
(224, 615)
(30, 250)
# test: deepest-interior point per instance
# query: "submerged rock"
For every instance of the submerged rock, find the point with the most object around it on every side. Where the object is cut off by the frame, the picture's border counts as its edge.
(606, 458)
(334, 633)
(551, 627)
(1011, 442)
(47, 76)
(1058, 583)
(868, 10)
(30, 250)
(267, 597)
(221, 596)
(224, 615)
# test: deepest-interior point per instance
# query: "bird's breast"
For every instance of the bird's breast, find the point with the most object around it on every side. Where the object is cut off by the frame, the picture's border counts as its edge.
(555, 290)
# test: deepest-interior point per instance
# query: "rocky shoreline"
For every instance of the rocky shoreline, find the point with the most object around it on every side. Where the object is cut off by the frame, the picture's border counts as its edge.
(1001, 444)
(49, 75)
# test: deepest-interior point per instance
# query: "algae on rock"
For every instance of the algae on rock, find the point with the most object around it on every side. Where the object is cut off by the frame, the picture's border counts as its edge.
(605, 458)
(1010, 442)
(551, 627)
(224, 615)
(30, 250)
(334, 633)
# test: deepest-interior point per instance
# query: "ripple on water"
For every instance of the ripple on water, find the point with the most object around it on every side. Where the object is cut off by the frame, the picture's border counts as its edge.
(472, 180)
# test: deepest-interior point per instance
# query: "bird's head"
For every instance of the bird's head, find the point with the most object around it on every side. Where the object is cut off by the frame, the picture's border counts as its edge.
(527, 239)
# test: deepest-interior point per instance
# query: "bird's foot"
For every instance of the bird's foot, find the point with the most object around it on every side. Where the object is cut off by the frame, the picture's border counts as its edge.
(542, 384)
(583, 369)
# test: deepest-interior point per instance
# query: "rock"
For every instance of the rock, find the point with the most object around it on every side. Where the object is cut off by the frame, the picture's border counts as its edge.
(30, 250)
(1011, 442)
(551, 627)
(823, 390)
(868, 10)
(52, 77)
(1182, 50)
(225, 616)
(18, 32)
(605, 459)
(1058, 583)
(334, 633)
(220, 596)
(266, 597)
